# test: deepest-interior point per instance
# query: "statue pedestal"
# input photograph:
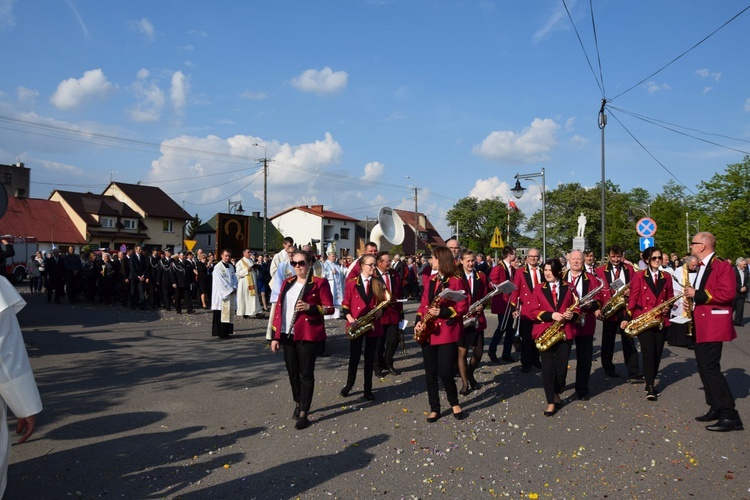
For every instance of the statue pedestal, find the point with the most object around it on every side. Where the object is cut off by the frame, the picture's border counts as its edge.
(579, 244)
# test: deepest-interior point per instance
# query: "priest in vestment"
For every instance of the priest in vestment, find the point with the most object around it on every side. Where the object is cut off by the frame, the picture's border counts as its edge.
(335, 276)
(18, 389)
(248, 303)
(224, 286)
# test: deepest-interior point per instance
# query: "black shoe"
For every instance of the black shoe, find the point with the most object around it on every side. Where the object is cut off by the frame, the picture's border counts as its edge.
(651, 396)
(434, 419)
(558, 405)
(493, 357)
(459, 416)
(295, 413)
(369, 396)
(636, 379)
(726, 424)
(582, 397)
(611, 374)
(345, 391)
(710, 416)
(302, 423)
(464, 391)
(525, 368)
(474, 384)
(550, 413)
(393, 371)
(509, 359)
(324, 355)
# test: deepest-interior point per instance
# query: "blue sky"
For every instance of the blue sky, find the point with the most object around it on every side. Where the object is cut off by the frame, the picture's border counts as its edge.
(349, 97)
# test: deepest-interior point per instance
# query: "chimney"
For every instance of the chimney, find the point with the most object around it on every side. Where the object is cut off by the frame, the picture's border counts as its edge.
(422, 222)
(317, 208)
(256, 215)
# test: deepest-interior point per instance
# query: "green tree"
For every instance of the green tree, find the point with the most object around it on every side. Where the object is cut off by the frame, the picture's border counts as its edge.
(477, 220)
(192, 227)
(725, 205)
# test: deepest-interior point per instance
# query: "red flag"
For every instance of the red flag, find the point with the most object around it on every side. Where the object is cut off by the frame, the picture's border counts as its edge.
(512, 205)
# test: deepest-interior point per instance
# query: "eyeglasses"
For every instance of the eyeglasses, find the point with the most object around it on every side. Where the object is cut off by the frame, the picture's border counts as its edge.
(657, 258)
(298, 263)
(370, 264)
(696, 243)
(532, 256)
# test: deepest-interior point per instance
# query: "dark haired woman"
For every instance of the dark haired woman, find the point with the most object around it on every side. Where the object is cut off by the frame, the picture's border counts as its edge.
(648, 289)
(299, 328)
(441, 347)
(549, 303)
(363, 293)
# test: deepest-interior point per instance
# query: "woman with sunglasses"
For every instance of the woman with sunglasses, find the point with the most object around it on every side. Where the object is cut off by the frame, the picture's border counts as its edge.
(548, 304)
(299, 328)
(363, 293)
(441, 348)
(648, 289)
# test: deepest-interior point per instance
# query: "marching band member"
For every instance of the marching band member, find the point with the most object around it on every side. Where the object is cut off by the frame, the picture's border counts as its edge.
(504, 271)
(298, 326)
(362, 294)
(392, 315)
(473, 336)
(610, 272)
(440, 349)
(527, 279)
(648, 289)
(583, 282)
(550, 303)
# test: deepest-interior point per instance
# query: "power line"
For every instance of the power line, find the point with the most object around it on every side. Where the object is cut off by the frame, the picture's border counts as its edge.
(591, 67)
(681, 55)
(596, 44)
(225, 197)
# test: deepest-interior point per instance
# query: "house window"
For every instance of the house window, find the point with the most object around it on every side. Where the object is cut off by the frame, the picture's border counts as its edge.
(104, 244)
(106, 221)
(168, 226)
(7, 178)
(209, 241)
(344, 233)
(129, 224)
(327, 232)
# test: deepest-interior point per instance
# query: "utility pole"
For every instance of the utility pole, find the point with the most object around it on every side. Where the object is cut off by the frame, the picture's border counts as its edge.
(602, 124)
(265, 162)
(416, 222)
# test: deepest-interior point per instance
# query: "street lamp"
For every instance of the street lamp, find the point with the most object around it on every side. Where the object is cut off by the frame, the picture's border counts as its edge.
(518, 191)
(236, 205)
(645, 211)
(696, 224)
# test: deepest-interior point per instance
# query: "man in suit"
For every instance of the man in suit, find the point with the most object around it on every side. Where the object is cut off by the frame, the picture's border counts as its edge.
(504, 271)
(181, 277)
(55, 268)
(481, 265)
(713, 294)
(392, 315)
(742, 276)
(139, 278)
(527, 278)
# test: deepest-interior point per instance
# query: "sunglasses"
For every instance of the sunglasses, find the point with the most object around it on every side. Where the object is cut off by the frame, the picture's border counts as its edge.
(657, 258)
(298, 263)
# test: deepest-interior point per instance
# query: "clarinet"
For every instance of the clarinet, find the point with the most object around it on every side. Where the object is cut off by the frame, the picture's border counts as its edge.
(290, 333)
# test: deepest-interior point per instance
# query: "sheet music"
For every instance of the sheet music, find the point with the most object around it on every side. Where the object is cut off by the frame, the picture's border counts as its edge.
(507, 287)
(454, 295)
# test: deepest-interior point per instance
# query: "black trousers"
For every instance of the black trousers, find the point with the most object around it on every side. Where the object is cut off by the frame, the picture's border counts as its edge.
(438, 363)
(652, 347)
(137, 293)
(718, 395)
(387, 346)
(584, 355)
(166, 296)
(299, 356)
(508, 332)
(181, 293)
(529, 352)
(610, 329)
(739, 310)
(58, 285)
(153, 294)
(355, 353)
(555, 369)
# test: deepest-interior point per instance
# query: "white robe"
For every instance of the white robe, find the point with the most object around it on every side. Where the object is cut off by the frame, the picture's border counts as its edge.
(224, 282)
(248, 302)
(335, 276)
(18, 390)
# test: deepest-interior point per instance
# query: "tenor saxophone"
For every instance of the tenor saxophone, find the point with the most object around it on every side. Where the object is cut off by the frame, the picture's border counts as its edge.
(687, 311)
(651, 319)
(555, 332)
(367, 322)
(617, 302)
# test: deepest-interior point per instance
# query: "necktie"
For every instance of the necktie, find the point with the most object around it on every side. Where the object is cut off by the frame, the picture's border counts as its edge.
(471, 284)
(535, 280)
(367, 286)
(617, 271)
(387, 281)
(554, 296)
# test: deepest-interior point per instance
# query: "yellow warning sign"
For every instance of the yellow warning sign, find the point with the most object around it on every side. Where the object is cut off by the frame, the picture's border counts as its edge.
(189, 244)
(497, 239)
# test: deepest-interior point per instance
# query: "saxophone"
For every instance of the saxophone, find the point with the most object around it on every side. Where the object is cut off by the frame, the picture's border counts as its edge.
(471, 316)
(617, 302)
(427, 322)
(687, 311)
(302, 292)
(588, 299)
(652, 319)
(556, 331)
(367, 322)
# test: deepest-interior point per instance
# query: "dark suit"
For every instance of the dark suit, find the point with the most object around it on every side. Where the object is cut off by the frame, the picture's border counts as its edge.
(138, 276)
(611, 326)
(743, 279)
(6, 250)
(182, 275)
(55, 268)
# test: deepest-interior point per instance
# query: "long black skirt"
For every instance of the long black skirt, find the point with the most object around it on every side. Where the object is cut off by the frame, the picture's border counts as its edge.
(219, 329)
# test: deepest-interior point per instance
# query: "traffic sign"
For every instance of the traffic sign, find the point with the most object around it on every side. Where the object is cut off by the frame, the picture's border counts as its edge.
(497, 239)
(646, 227)
(646, 243)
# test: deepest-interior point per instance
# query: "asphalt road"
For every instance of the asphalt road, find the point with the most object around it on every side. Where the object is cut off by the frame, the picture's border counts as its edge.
(145, 404)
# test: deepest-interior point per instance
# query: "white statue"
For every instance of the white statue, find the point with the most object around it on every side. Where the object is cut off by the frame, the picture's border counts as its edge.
(581, 225)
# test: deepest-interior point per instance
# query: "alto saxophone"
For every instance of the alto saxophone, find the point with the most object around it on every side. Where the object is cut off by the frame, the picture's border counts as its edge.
(651, 319)
(617, 302)
(428, 323)
(367, 322)
(687, 311)
(556, 331)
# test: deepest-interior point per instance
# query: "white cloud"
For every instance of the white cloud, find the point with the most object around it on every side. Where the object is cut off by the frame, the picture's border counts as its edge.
(706, 90)
(150, 99)
(578, 141)
(373, 171)
(747, 104)
(531, 144)
(324, 81)
(145, 28)
(557, 21)
(570, 124)
(253, 95)
(27, 96)
(705, 73)
(74, 92)
(653, 87)
(60, 168)
(495, 188)
(7, 20)
(179, 91)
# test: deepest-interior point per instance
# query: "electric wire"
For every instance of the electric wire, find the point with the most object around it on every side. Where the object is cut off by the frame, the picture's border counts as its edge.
(591, 67)
(596, 44)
